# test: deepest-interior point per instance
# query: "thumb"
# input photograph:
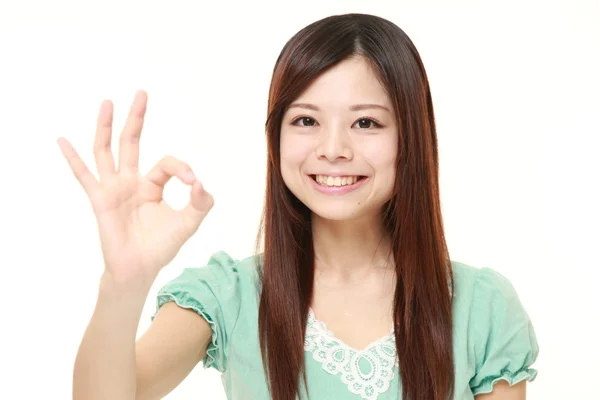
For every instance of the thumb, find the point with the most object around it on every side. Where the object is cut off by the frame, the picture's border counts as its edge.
(200, 204)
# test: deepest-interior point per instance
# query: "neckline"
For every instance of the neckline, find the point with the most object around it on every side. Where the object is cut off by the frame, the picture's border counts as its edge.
(331, 335)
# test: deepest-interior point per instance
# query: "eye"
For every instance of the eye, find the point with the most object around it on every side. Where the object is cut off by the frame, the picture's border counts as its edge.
(366, 123)
(304, 121)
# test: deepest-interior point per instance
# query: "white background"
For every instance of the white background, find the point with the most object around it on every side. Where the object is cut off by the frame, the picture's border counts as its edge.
(516, 94)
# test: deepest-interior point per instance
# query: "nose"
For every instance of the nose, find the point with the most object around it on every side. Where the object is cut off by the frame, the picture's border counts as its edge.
(334, 144)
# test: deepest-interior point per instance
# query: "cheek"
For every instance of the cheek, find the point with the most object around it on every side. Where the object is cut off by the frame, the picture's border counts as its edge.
(381, 154)
(294, 151)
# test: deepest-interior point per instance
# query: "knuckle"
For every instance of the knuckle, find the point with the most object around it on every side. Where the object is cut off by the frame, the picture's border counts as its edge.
(168, 161)
(173, 164)
(101, 147)
(185, 168)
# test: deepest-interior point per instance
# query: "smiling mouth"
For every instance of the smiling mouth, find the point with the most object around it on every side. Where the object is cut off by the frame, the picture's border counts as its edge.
(337, 181)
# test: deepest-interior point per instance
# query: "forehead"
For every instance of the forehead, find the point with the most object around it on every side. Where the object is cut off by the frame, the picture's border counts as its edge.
(349, 82)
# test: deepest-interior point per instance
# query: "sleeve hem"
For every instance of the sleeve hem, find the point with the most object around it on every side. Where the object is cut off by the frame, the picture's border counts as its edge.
(210, 360)
(487, 385)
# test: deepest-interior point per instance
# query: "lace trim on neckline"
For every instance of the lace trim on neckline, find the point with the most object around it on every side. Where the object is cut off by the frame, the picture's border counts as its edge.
(367, 372)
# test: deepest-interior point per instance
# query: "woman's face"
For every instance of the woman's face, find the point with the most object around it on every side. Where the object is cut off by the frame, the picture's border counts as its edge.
(339, 142)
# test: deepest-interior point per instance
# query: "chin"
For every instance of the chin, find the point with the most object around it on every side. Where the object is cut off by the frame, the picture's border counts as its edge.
(335, 212)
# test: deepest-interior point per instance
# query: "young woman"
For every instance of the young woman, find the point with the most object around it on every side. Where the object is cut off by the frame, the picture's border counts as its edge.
(353, 294)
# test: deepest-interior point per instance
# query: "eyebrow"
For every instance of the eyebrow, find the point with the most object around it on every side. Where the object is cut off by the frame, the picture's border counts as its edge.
(356, 107)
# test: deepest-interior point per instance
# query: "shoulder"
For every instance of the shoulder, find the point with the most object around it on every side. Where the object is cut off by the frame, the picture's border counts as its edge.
(220, 269)
(473, 284)
(244, 272)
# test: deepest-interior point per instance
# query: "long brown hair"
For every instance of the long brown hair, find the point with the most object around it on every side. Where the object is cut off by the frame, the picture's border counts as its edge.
(422, 301)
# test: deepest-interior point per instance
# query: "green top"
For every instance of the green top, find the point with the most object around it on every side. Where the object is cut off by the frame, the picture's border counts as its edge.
(492, 334)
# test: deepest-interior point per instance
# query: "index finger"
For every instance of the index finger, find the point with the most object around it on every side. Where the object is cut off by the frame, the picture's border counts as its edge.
(164, 170)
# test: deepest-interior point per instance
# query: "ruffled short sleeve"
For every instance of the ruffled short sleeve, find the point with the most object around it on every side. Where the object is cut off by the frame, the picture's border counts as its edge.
(501, 336)
(212, 292)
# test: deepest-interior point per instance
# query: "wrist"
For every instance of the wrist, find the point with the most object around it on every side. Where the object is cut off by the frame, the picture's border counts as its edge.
(126, 285)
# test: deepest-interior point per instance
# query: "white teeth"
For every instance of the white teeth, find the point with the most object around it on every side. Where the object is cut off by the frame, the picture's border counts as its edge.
(336, 180)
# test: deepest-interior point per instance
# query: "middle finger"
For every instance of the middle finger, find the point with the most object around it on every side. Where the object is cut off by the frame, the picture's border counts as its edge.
(105, 161)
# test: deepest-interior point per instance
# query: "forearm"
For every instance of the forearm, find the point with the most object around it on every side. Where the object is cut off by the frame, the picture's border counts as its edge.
(105, 367)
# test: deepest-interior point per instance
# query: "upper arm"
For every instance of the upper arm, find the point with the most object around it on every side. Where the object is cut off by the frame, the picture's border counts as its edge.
(196, 314)
(167, 352)
(503, 391)
(502, 341)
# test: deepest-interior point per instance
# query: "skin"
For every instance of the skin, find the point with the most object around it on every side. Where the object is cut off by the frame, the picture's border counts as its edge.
(503, 391)
(350, 246)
